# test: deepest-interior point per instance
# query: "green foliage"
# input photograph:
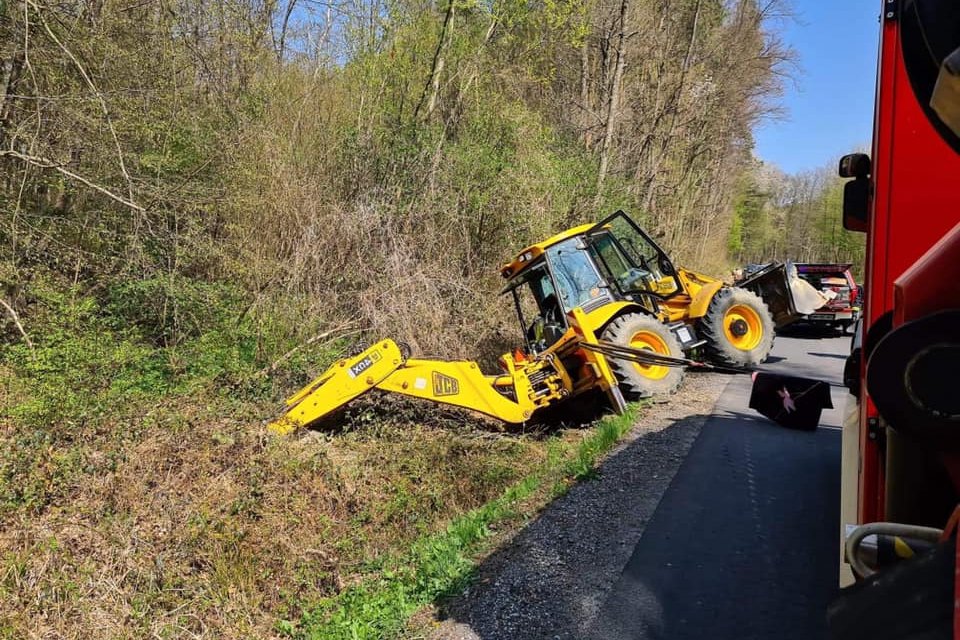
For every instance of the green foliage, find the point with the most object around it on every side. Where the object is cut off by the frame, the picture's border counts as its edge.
(610, 430)
(92, 364)
(80, 364)
(177, 149)
(735, 239)
(750, 227)
(796, 217)
(170, 309)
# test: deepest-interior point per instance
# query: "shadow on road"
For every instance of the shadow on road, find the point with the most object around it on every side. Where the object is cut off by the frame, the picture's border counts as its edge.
(838, 356)
(743, 545)
(810, 332)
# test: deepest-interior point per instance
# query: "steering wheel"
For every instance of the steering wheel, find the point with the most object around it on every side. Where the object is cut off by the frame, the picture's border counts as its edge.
(637, 278)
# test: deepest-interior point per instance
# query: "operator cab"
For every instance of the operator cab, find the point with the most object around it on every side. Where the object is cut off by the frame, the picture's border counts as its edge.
(632, 260)
(563, 278)
(587, 267)
(538, 308)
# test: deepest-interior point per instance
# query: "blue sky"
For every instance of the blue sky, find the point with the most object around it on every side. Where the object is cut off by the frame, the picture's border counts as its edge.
(829, 104)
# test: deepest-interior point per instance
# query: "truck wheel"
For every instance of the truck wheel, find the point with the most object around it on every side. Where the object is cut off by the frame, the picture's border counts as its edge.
(738, 328)
(644, 332)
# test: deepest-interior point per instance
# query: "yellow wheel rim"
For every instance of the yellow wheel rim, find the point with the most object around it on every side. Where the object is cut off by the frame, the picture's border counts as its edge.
(651, 342)
(742, 327)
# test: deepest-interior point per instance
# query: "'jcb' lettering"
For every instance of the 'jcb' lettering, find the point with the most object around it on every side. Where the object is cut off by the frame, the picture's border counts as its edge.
(445, 385)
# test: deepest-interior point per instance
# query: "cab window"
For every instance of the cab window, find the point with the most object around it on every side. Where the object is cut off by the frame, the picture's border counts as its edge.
(577, 277)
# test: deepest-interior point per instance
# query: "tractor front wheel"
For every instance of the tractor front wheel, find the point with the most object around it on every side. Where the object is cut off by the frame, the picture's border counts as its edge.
(644, 332)
(738, 328)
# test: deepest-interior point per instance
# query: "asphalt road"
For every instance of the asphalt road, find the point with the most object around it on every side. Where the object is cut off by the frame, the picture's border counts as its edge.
(743, 543)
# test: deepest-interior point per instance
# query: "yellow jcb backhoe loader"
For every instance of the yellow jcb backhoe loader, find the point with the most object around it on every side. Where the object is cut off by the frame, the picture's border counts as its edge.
(602, 307)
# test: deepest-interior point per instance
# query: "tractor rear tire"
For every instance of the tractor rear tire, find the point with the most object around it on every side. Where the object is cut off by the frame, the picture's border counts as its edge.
(738, 328)
(644, 332)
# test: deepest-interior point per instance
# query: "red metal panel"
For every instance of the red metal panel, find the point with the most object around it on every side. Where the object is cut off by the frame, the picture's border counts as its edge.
(870, 498)
(932, 283)
(915, 203)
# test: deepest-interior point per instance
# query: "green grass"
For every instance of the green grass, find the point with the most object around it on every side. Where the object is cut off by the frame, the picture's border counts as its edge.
(440, 564)
(96, 364)
(607, 433)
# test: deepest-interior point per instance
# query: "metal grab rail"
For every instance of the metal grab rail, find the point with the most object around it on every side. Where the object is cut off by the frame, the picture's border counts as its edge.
(857, 536)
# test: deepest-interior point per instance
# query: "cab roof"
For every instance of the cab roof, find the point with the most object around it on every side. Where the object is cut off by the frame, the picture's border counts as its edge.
(529, 255)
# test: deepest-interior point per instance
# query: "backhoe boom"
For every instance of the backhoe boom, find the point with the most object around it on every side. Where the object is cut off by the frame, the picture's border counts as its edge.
(527, 384)
(457, 383)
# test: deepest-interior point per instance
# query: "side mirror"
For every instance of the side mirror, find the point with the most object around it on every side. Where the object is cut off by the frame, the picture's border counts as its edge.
(855, 165)
(666, 267)
(856, 193)
(856, 205)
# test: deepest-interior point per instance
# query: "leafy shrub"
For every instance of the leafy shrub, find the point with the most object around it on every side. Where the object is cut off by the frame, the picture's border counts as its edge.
(170, 309)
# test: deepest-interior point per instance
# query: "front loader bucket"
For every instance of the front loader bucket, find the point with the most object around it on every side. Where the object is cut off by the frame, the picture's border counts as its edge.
(338, 385)
(788, 296)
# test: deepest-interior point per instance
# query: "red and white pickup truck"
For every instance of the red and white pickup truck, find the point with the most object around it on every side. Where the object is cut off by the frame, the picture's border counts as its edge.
(835, 282)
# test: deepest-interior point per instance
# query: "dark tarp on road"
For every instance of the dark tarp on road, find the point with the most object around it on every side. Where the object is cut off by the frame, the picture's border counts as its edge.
(790, 401)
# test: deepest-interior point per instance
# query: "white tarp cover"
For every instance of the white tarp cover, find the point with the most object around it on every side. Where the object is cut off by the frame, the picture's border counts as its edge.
(806, 297)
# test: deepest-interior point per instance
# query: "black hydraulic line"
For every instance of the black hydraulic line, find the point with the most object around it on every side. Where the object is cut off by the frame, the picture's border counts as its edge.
(643, 356)
(640, 356)
(649, 358)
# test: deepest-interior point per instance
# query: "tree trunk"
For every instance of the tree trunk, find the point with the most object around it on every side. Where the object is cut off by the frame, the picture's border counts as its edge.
(282, 45)
(8, 87)
(585, 93)
(433, 84)
(613, 98)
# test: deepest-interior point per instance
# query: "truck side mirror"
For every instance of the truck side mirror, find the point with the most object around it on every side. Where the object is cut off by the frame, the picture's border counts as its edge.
(946, 93)
(856, 192)
(856, 205)
(855, 165)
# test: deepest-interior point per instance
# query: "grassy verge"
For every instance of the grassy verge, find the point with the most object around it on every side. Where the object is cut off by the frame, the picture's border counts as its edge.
(441, 563)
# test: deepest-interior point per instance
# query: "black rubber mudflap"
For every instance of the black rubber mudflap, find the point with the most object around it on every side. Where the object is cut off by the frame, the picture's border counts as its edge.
(912, 600)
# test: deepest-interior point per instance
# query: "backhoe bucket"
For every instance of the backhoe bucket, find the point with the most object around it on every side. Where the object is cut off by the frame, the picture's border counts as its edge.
(338, 385)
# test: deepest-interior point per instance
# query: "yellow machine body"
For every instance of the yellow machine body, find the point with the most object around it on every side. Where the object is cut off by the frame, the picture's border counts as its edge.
(529, 255)
(693, 304)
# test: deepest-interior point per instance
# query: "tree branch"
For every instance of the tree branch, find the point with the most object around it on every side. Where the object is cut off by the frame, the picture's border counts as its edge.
(16, 321)
(45, 163)
(339, 332)
(96, 92)
(436, 68)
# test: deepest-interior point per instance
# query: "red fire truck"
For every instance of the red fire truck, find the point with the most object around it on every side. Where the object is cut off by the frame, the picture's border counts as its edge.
(901, 468)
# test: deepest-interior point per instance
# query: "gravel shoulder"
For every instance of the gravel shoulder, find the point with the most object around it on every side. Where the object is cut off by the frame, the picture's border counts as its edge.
(551, 578)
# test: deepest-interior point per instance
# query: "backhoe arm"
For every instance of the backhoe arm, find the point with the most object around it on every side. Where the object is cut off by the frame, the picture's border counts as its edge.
(460, 384)
(528, 384)
(338, 385)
